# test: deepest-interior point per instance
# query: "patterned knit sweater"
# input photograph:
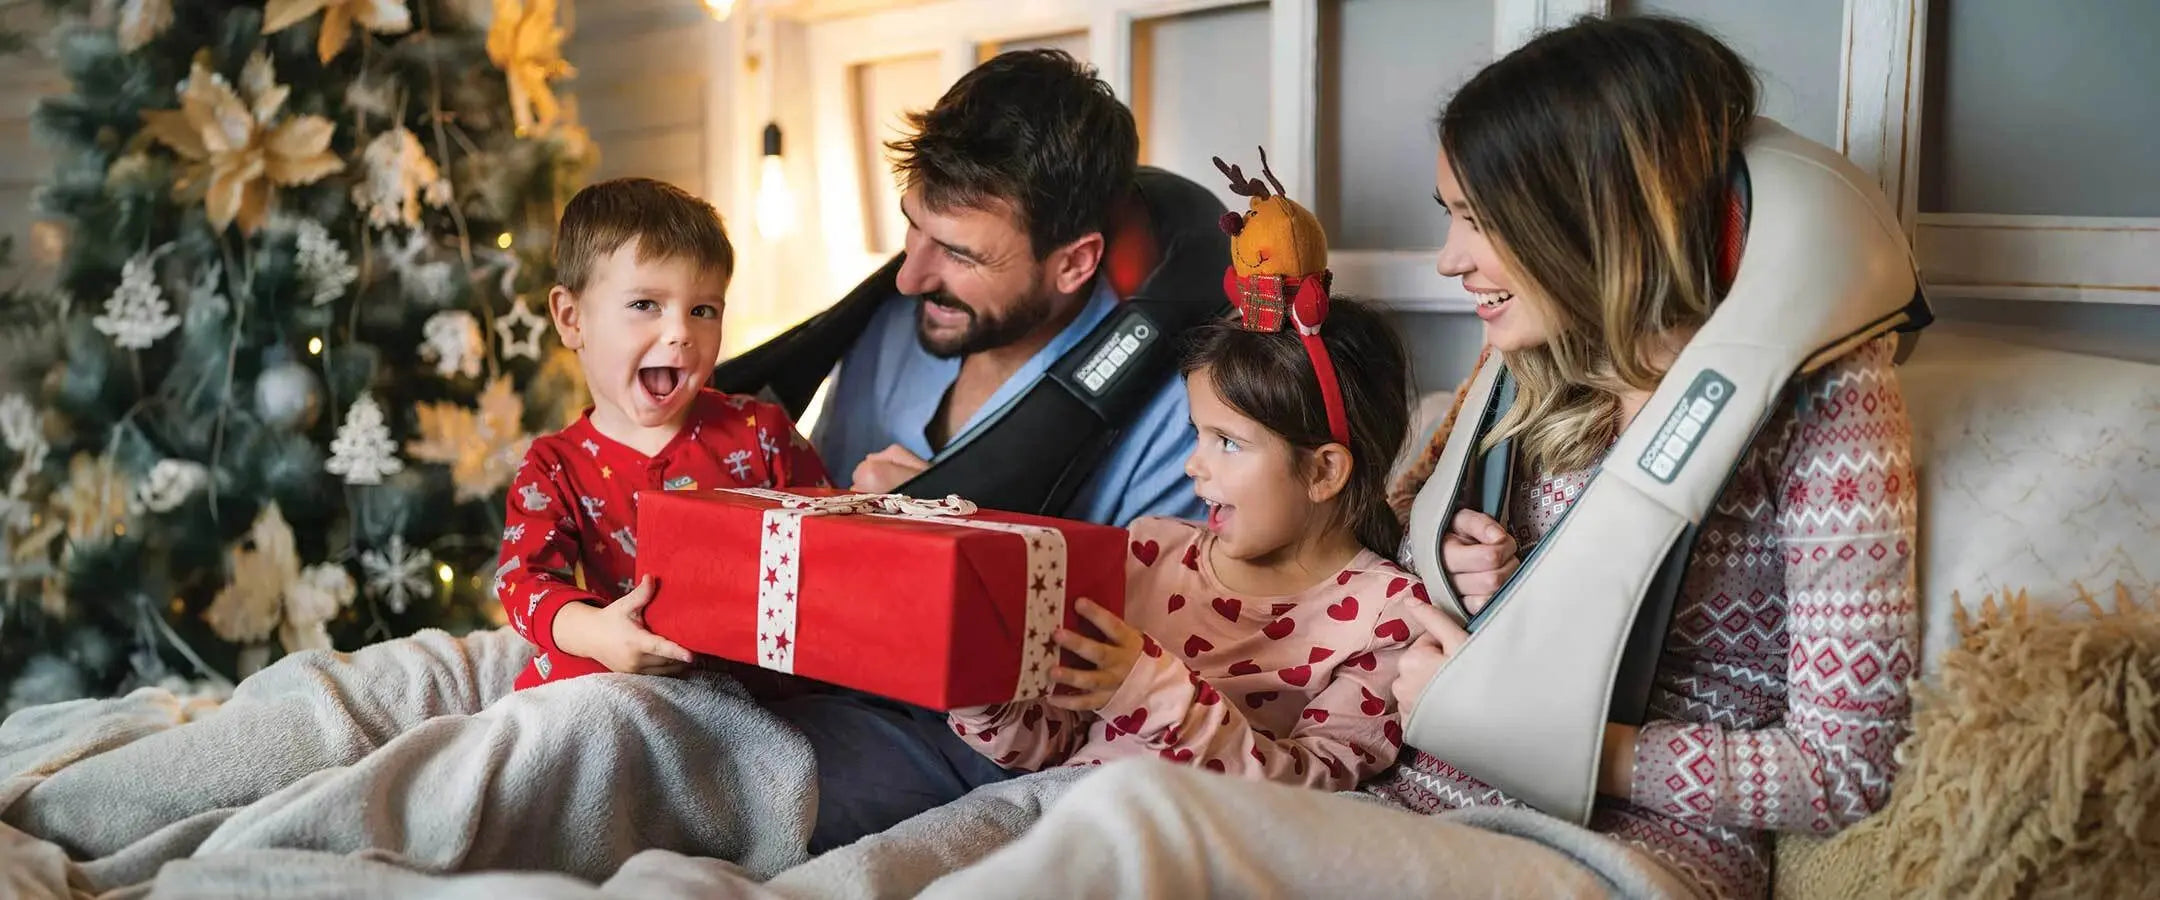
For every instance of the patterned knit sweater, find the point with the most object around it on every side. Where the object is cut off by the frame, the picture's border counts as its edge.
(1782, 690)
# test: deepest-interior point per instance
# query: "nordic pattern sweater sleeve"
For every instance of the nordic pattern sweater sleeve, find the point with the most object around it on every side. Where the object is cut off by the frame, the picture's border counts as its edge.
(1844, 505)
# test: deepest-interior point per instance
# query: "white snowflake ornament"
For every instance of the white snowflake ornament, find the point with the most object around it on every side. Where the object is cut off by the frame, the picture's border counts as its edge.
(454, 343)
(136, 315)
(324, 266)
(397, 574)
(363, 451)
(518, 317)
(170, 483)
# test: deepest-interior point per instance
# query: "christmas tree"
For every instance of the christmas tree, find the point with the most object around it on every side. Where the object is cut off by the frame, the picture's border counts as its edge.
(296, 345)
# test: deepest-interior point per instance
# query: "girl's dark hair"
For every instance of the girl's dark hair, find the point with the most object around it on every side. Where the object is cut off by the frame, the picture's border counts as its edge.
(1267, 378)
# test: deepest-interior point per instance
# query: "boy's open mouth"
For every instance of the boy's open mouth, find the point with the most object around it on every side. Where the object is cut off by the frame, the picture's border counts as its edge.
(660, 381)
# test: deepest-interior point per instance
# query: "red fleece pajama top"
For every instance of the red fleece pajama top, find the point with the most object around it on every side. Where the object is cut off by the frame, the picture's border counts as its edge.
(568, 536)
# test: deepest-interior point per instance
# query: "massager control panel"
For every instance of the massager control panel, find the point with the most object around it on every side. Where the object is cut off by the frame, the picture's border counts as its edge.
(1109, 360)
(1676, 439)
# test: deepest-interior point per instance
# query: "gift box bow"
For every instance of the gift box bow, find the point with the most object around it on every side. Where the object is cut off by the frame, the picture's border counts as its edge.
(780, 564)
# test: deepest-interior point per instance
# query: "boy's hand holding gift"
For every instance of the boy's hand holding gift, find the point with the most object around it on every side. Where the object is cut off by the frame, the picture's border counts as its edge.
(615, 635)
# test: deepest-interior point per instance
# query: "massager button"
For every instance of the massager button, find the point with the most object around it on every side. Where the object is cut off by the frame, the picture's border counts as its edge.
(1118, 355)
(1687, 429)
(1662, 466)
(1675, 447)
(1701, 409)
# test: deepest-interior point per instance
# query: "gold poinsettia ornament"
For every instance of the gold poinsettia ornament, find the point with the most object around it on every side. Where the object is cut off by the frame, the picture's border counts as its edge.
(524, 42)
(339, 16)
(235, 150)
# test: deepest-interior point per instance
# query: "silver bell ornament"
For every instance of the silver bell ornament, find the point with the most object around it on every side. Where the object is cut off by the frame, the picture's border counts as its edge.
(288, 395)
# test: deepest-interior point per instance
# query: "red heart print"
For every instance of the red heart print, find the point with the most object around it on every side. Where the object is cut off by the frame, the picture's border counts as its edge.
(1366, 757)
(1256, 698)
(959, 729)
(1029, 718)
(1343, 610)
(1206, 695)
(1177, 602)
(1180, 755)
(1372, 706)
(1146, 551)
(1265, 733)
(1130, 724)
(1010, 757)
(1279, 629)
(1192, 557)
(1256, 755)
(1365, 661)
(1215, 765)
(1297, 764)
(1396, 586)
(1196, 645)
(1335, 768)
(1244, 667)
(1296, 675)
(1343, 577)
(1149, 647)
(1319, 654)
(1393, 731)
(1227, 607)
(986, 735)
(1394, 630)
(1283, 609)
(1054, 727)
(1319, 716)
(1418, 591)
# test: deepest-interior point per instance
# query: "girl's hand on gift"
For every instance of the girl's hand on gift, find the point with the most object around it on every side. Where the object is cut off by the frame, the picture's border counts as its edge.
(615, 636)
(1440, 639)
(1089, 689)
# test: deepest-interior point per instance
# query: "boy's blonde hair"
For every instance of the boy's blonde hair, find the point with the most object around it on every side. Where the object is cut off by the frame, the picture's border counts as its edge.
(666, 221)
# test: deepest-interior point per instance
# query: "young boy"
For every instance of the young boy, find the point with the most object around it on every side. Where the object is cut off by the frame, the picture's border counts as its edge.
(644, 269)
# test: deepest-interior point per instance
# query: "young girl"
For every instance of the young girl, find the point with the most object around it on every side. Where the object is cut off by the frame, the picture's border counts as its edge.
(1263, 641)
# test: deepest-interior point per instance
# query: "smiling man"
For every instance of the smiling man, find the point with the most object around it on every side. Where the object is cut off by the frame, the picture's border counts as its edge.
(1008, 183)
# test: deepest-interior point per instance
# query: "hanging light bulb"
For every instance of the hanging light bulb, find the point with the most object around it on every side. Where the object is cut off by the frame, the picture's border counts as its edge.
(775, 201)
(719, 9)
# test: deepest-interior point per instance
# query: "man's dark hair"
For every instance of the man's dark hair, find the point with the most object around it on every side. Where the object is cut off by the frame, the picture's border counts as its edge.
(1033, 128)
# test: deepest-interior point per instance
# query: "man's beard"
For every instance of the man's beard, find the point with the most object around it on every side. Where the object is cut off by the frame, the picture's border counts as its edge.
(982, 332)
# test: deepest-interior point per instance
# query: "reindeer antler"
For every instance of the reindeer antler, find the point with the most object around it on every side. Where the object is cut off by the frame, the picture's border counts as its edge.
(1241, 185)
(1271, 175)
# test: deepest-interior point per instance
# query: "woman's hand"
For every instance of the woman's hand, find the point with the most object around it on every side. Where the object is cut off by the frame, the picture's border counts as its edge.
(1113, 659)
(1478, 555)
(1441, 639)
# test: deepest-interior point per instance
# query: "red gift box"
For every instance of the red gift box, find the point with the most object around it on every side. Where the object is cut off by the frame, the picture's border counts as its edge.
(875, 592)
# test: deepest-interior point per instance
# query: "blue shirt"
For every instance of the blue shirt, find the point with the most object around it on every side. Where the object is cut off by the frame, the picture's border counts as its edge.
(889, 388)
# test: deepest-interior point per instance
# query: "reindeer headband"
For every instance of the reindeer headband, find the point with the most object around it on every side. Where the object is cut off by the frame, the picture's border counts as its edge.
(1278, 271)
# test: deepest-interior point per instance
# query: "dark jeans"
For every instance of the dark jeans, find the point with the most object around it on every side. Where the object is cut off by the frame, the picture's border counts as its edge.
(880, 762)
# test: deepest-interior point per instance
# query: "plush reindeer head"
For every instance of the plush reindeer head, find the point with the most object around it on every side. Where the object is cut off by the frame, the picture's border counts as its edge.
(1275, 236)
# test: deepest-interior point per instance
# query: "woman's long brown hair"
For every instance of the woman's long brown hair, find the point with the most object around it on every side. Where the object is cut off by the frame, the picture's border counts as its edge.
(1597, 156)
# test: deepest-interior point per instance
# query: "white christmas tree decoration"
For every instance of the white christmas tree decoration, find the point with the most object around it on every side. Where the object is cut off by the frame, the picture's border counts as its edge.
(270, 592)
(324, 267)
(141, 21)
(454, 343)
(520, 317)
(170, 483)
(206, 300)
(363, 451)
(136, 314)
(398, 574)
(399, 176)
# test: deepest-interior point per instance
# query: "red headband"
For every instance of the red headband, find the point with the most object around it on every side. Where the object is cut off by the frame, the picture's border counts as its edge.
(1264, 300)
